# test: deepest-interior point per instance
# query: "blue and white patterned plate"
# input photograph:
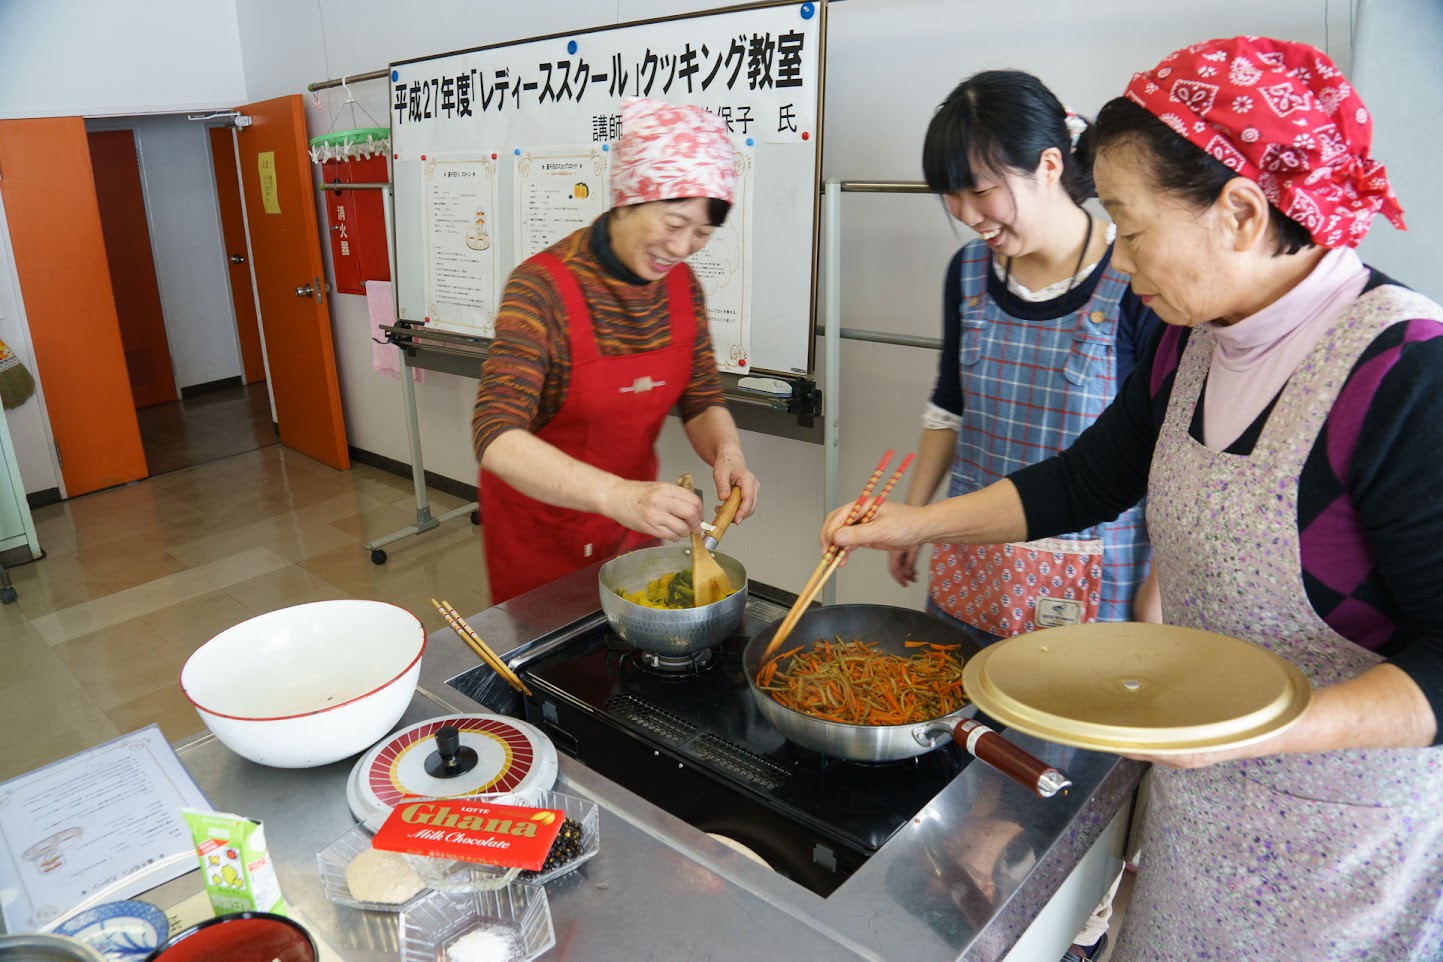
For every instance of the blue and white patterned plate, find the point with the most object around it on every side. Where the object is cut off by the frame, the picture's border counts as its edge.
(120, 931)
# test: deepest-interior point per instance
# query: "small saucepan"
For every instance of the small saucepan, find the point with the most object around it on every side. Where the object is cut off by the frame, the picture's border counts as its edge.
(889, 628)
(669, 631)
(674, 632)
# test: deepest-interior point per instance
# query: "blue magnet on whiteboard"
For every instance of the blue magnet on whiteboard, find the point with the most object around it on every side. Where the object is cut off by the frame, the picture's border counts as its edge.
(517, 151)
(571, 46)
(395, 75)
(751, 141)
(808, 11)
(605, 146)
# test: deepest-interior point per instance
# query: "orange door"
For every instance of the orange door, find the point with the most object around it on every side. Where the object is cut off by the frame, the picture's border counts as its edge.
(49, 193)
(232, 226)
(132, 267)
(280, 200)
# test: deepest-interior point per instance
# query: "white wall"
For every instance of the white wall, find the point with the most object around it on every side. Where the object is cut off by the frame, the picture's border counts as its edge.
(29, 426)
(891, 62)
(185, 237)
(63, 58)
(1398, 70)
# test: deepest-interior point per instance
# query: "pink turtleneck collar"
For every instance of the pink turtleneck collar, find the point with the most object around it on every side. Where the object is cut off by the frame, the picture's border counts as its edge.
(1255, 357)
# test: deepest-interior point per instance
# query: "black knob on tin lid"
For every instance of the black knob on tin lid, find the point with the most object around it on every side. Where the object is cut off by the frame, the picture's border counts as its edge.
(448, 739)
(450, 758)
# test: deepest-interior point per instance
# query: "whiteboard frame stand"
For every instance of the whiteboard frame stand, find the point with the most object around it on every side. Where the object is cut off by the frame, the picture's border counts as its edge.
(834, 332)
(425, 521)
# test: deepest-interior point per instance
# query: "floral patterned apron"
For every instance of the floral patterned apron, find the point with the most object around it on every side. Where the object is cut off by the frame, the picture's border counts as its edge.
(1324, 856)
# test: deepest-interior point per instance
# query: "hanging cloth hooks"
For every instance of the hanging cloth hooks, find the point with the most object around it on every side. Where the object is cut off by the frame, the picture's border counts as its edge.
(357, 142)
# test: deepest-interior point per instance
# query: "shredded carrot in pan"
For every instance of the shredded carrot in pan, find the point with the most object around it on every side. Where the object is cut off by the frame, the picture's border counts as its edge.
(851, 682)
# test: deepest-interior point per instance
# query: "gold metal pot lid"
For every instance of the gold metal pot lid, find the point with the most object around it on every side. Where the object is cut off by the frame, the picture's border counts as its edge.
(1134, 688)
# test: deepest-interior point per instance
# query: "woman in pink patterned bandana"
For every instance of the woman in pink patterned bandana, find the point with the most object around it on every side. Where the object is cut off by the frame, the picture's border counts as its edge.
(1285, 430)
(597, 339)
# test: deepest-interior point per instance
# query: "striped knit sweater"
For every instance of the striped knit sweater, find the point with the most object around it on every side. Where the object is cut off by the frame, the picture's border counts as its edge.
(1370, 520)
(525, 378)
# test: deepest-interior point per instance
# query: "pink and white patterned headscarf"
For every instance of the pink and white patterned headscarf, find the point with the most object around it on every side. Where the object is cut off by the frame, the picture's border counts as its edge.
(1282, 115)
(670, 152)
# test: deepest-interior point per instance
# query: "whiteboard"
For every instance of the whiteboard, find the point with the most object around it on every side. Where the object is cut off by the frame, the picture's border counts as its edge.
(463, 123)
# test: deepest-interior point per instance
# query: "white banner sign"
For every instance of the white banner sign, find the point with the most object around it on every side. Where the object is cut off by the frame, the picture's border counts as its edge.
(757, 69)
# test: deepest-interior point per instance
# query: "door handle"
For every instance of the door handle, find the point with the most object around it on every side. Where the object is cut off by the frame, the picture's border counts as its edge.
(305, 290)
(237, 258)
(309, 290)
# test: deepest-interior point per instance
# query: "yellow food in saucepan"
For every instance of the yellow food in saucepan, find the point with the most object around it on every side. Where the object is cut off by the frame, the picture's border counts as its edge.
(672, 590)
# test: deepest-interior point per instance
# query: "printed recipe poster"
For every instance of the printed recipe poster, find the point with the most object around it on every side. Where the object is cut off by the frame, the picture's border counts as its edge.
(723, 269)
(559, 190)
(104, 823)
(462, 281)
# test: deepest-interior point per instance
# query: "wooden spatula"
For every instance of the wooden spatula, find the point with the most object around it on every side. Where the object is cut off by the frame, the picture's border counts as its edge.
(708, 581)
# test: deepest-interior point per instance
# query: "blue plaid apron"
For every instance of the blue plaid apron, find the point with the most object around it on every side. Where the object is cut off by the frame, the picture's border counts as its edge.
(1029, 388)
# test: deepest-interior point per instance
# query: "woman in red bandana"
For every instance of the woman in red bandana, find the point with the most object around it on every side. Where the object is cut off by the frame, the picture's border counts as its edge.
(597, 339)
(1285, 430)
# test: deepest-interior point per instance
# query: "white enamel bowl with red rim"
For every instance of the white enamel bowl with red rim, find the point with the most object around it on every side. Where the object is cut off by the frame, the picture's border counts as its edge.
(307, 685)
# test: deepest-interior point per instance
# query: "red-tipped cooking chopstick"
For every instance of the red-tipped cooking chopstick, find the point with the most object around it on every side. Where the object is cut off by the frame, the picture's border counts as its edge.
(858, 507)
(833, 556)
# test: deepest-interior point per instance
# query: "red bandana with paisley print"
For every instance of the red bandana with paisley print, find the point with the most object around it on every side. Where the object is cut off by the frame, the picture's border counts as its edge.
(1283, 115)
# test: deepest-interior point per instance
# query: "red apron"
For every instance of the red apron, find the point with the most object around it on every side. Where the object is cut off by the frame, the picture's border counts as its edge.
(613, 412)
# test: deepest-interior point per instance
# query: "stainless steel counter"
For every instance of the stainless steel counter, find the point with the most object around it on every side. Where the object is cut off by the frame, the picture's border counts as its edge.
(660, 889)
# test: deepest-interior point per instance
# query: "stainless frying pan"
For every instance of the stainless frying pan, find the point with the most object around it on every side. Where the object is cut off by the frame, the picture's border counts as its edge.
(889, 628)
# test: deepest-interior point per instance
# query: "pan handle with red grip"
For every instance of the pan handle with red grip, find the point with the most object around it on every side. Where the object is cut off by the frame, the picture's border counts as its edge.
(1022, 767)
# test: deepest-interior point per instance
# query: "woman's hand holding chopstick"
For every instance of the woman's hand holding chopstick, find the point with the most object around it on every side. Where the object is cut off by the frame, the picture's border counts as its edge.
(862, 513)
(893, 526)
(991, 516)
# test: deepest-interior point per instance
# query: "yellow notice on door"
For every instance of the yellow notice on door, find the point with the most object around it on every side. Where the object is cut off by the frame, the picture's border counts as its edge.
(270, 196)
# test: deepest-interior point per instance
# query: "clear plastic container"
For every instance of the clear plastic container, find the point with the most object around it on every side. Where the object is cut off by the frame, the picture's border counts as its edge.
(335, 858)
(513, 922)
(446, 875)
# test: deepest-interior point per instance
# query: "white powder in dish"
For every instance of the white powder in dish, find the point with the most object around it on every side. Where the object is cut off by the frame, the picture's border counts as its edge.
(483, 946)
(382, 877)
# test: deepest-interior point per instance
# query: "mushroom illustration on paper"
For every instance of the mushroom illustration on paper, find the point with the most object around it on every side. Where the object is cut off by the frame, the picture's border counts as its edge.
(476, 238)
(47, 853)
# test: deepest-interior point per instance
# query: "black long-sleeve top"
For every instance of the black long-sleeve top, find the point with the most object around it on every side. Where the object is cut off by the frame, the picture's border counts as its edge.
(1394, 482)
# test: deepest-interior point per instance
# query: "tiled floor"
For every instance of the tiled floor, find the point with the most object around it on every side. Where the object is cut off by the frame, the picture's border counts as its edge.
(209, 426)
(138, 577)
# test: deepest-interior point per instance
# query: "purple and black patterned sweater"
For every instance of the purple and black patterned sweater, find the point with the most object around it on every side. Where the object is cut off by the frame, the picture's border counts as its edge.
(1370, 496)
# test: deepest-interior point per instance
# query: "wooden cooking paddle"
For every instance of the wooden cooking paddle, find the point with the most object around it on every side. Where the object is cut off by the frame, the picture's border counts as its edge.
(708, 581)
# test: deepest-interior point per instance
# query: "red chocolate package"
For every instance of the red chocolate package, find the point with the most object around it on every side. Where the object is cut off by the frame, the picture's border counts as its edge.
(471, 830)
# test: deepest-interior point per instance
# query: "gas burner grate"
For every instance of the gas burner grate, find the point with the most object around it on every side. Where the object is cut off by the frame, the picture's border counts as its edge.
(643, 714)
(740, 762)
(678, 666)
